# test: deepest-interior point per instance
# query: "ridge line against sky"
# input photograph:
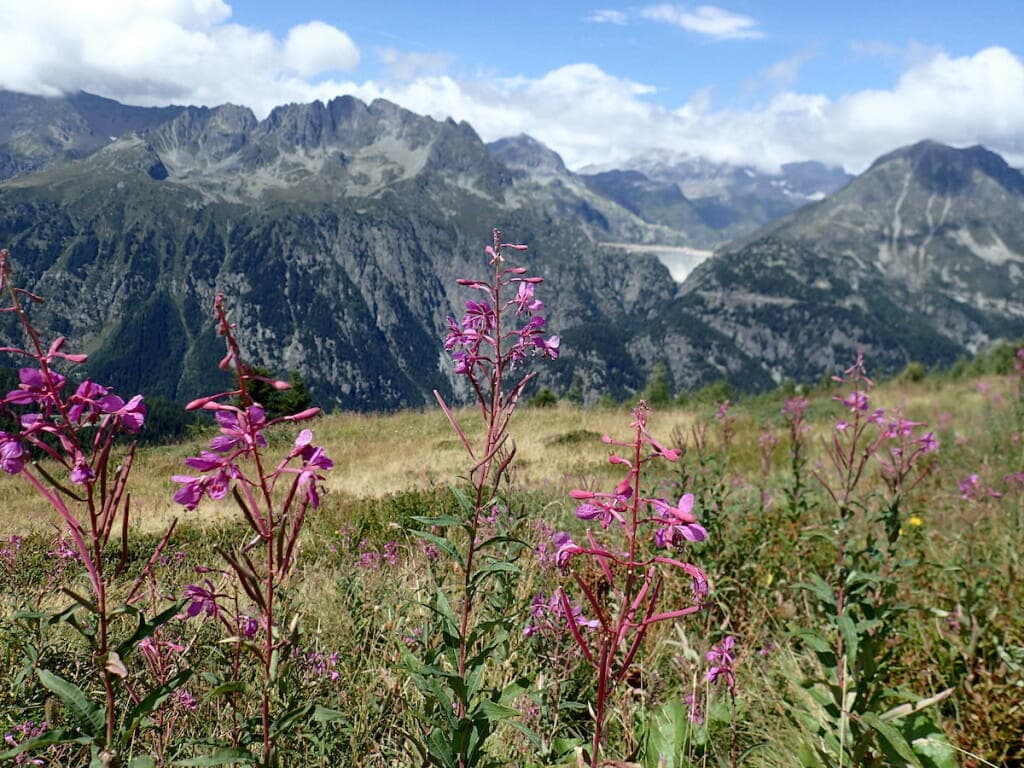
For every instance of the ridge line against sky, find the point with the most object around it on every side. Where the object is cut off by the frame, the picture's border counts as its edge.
(746, 82)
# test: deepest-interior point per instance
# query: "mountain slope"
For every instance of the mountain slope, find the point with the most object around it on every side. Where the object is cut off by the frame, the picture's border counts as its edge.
(920, 257)
(37, 132)
(340, 229)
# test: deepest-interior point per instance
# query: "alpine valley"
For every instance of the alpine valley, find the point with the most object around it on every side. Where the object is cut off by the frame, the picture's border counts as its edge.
(337, 232)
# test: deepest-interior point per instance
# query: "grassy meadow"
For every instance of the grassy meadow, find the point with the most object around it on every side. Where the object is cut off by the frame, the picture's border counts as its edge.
(364, 579)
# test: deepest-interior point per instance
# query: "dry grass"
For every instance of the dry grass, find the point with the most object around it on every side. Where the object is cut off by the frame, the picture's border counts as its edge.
(556, 448)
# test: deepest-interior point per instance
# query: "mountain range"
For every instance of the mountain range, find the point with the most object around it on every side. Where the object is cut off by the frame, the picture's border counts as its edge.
(338, 230)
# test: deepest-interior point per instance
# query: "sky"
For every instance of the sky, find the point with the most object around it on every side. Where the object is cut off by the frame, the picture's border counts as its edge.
(747, 82)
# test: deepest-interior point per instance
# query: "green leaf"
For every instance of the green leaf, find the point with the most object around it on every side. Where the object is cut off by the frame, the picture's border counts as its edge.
(142, 761)
(54, 736)
(814, 640)
(90, 714)
(221, 757)
(929, 742)
(849, 634)
(147, 628)
(891, 738)
(495, 712)
(234, 686)
(668, 730)
(323, 714)
(441, 543)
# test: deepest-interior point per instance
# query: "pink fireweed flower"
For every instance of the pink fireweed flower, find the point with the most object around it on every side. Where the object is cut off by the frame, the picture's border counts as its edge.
(795, 407)
(928, 443)
(314, 461)
(203, 599)
(972, 489)
(678, 524)
(565, 548)
(239, 428)
(524, 301)
(33, 388)
(723, 662)
(549, 616)
(12, 454)
(855, 401)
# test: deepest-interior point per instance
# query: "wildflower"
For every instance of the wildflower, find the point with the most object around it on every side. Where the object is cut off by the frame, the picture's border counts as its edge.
(723, 660)
(550, 616)
(795, 407)
(203, 599)
(566, 548)
(914, 521)
(33, 387)
(248, 625)
(12, 454)
(856, 401)
(239, 428)
(185, 700)
(678, 522)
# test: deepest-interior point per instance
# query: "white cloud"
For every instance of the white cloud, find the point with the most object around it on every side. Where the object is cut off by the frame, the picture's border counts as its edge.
(590, 116)
(608, 17)
(312, 48)
(163, 51)
(709, 20)
(189, 51)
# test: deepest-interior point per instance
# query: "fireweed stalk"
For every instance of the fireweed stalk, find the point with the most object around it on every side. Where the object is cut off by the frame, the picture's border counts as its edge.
(65, 449)
(485, 352)
(490, 346)
(627, 604)
(273, 501)
(858, 605)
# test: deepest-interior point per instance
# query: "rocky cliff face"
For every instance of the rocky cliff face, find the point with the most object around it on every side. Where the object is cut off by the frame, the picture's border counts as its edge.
(37, 132)
(337, 231)
(340, 230)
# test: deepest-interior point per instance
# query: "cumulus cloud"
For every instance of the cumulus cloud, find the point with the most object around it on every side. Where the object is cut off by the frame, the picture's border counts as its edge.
(591, 116)
(189, 51)
(709, 20)
(163, 51)
(312, 48)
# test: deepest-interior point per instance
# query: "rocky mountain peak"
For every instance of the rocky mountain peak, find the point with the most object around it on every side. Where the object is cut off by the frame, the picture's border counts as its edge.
(949, 170)
(525, 153)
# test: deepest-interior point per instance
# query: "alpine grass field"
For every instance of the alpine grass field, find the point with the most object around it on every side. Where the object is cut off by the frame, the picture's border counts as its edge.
(824, 577)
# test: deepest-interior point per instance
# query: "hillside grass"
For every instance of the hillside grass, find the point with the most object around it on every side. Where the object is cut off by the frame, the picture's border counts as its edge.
(966, 630)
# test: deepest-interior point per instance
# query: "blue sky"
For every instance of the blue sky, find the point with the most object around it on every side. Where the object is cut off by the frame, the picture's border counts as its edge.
(750, 82)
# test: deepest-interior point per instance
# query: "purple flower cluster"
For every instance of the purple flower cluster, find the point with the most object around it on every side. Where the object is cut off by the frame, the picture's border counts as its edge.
(60, 417)
(479, 344)
(317, 665)
(549, 616)
(972, 489)
(9, 552)
(627, 604)
(241, 435)
(723, 663)
(897, 443)
(372, 559)
(26, 732)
